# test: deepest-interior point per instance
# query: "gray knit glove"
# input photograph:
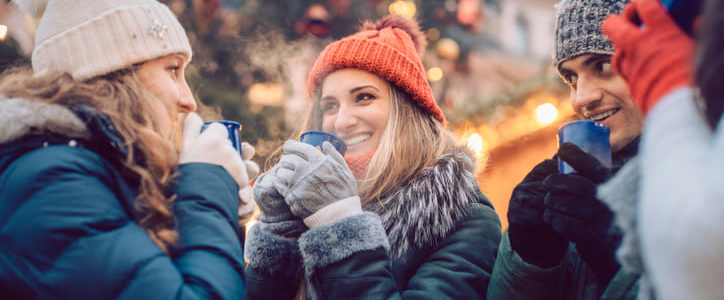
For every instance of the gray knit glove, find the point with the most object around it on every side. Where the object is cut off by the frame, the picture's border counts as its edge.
(320, 185)
(273, 211)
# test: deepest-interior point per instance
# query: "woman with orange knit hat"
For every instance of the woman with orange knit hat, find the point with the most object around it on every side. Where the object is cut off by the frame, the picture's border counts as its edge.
(401, 214)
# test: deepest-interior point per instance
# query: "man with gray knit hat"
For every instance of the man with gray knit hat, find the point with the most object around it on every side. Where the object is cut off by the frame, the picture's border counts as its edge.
(561, 243)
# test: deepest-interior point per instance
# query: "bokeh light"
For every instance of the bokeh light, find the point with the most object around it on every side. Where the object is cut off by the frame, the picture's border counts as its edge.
(434, 74)
(402, 8)
(448, 48)
(546, 113)
(270, 94)
(433, 34)
(3, 32)
(475, 144)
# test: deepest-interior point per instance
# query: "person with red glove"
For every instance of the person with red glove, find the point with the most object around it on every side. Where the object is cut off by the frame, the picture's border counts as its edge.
(679, 211)
(561, 240)
(653, 54)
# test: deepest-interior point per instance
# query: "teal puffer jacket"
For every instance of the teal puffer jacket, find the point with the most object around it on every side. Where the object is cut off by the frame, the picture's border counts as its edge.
(68, 223)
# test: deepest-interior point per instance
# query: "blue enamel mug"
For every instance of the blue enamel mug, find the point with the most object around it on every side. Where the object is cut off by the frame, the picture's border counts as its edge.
(317, 137)
(233, 129)
(591, 136)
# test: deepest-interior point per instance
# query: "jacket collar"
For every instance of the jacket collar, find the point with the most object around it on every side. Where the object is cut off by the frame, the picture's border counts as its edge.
(20, 117)
(426, 209)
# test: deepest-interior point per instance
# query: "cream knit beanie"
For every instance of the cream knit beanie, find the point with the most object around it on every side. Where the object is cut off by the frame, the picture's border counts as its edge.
(88, 38)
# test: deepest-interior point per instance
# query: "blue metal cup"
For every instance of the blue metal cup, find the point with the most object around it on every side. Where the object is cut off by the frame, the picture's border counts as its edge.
(684, 12)
(591, 136)
(234, 131)
(316, 138)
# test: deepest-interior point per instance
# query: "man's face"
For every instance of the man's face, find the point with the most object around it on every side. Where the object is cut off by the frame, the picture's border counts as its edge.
(599, 94)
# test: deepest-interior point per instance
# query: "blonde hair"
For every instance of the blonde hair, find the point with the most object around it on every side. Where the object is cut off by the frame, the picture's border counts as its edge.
(399, 156)
(152, 155)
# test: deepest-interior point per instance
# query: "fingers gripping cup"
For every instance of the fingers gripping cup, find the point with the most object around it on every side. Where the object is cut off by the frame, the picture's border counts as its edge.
(316, 138)
(233, 129)
(591, 136)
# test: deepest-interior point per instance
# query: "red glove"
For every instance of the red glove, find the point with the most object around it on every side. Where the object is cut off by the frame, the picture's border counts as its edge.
(654, 58)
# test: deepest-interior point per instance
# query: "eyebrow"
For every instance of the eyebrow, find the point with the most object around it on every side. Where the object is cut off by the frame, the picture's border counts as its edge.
(594, 58)
(363, 87)
(589, 61)
(352, 91)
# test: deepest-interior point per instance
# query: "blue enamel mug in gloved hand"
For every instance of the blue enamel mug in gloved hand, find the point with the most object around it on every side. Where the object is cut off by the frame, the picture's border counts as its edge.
(233, 129)
(317, 137)
(591, 136)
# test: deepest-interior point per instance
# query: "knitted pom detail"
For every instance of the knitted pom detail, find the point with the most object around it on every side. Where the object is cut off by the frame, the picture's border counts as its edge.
(411, 27)
(34, 8)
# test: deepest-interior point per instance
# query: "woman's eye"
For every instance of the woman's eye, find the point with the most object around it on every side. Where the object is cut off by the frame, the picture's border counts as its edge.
(328, 107)
(365, 97)
(174, 70)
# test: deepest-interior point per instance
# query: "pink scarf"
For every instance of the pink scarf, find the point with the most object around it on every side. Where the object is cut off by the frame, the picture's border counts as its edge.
(359, 163)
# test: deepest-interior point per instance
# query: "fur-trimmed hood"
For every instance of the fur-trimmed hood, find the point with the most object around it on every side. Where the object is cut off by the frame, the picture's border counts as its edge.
(426, 209)
(20, 117)
(53, 123)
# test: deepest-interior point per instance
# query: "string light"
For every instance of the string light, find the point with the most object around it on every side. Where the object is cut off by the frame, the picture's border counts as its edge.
(3, 32)
(546, 113)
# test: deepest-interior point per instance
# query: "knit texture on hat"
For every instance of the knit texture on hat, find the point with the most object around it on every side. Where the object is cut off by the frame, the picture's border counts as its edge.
(87, 38)
(392, 49)
(578, 28)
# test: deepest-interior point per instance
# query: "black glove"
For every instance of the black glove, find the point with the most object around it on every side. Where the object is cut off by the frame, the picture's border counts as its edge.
(533, 239)
(572, 209)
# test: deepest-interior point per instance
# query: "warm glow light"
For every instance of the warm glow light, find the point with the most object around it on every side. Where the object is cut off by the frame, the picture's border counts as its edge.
(405, 9)
(270, 94)
(249, 225)
(434, 74)
(475, 144)
(433, 34)
(546, 113)
(448, 48)
(3, 32)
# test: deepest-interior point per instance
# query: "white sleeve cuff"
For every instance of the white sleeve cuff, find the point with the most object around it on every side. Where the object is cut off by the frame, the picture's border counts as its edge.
(335, 211)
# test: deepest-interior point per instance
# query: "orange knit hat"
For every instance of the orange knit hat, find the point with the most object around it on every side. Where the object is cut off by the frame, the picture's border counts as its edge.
(390, 48)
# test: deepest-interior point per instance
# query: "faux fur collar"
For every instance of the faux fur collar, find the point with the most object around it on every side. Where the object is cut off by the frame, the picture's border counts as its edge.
(19, 117)
(425, 210)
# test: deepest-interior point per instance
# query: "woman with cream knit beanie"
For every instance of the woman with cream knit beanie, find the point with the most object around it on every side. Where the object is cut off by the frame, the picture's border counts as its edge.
(401, 215)
(99, 199)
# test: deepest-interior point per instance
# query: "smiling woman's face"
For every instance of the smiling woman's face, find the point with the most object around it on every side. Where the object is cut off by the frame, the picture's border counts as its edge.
(600, 94)
(164, 78)
(355, 106)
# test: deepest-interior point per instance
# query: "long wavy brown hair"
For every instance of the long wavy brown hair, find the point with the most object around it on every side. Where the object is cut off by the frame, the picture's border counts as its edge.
(152, 152)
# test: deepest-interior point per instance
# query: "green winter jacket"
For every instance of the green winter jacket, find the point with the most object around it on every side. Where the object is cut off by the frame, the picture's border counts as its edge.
(513, 278)
(436, 238)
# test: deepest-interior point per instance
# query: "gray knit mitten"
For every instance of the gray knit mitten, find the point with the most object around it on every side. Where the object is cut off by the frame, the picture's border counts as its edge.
(274, 212)
(315, 180)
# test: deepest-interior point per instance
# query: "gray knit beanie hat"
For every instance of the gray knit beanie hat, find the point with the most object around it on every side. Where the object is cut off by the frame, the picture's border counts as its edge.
(578, 28)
